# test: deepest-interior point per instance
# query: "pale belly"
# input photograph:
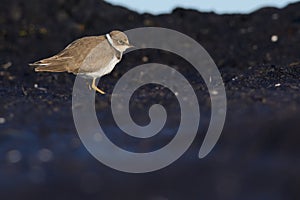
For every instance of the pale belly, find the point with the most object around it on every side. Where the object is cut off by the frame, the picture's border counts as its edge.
(104, 70)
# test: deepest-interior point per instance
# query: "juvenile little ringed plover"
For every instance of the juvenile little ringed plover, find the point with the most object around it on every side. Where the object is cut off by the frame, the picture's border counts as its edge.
(92, 56)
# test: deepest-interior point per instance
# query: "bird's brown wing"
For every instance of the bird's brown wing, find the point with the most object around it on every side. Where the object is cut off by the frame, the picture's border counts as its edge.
(98, 57)
(71, 58)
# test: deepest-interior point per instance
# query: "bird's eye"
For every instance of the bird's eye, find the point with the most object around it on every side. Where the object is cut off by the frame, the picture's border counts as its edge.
(120, 42)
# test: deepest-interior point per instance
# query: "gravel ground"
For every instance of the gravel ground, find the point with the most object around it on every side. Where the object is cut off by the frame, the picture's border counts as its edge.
(41, 156)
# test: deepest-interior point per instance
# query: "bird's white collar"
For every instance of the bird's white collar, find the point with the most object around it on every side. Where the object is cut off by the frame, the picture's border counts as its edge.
(109, 39)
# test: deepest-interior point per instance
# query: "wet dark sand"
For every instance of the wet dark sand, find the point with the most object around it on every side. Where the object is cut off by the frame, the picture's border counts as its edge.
(256, 157)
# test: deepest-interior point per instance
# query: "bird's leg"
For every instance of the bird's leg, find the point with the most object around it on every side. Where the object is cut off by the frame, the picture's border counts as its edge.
(89, 85)
(95, 87)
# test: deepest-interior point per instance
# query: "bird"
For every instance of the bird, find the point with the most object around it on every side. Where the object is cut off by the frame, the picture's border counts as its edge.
(90, 56)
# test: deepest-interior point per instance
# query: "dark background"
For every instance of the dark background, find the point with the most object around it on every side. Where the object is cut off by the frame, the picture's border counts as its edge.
(257, 156)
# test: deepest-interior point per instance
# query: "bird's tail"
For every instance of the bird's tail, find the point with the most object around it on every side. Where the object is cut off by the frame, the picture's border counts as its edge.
(49, 65)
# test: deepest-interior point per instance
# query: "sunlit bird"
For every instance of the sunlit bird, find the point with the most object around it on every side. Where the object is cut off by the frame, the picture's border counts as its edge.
(92, 56)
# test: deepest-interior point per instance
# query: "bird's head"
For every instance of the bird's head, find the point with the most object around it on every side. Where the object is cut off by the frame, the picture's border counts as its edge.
(120, 40)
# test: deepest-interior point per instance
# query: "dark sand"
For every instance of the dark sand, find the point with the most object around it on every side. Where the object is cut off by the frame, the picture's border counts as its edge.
(257, 156)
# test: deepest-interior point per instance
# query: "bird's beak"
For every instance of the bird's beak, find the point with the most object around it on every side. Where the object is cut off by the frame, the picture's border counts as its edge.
(130, 46)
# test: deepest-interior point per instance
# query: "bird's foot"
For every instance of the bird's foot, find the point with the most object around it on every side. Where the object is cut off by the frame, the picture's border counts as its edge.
(98, 90)
(95, 87)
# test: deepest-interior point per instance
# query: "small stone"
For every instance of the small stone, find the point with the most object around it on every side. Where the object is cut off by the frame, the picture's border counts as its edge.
(97, 137)
(145, 59)
(234, 78)
(14, 156)
(2, 120)
(75, 143)
(268, 57)
(277, 85)
(11, 78)
(275, 16)
(45, 155)
(214, 92)
(6, 65)
(274, 38)
(43, 31)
